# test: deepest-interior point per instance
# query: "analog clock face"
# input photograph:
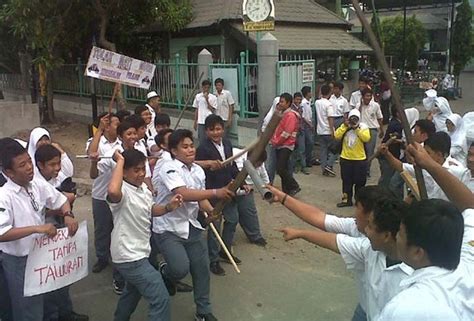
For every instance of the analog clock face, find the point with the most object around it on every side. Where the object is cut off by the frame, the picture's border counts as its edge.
(258, 10)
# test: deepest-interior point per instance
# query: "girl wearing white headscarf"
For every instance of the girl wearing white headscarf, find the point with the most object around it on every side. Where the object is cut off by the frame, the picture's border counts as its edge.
(439, 113)
(457, 132)
(40, 136)
(353, 160)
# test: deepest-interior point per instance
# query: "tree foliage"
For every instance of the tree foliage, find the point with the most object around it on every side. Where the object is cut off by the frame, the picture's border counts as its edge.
(462, 46)
(392, 31)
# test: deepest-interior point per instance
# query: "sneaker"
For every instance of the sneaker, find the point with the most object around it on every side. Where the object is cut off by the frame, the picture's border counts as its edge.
(216, 269)
(205, 317)
(260, 242)
(330, 171)
(183, 287)
(294, 192)
(118, 287)
(224, 258)
(170, 284)
(345, 201)
(316, 162)
(99, 266)
(74, 317)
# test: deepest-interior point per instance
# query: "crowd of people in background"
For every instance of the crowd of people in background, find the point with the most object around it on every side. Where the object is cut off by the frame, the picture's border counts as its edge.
(154, 187)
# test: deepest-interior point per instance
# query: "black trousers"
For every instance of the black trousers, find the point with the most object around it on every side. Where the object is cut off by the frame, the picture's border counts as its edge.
(288, 183)
(353, 173)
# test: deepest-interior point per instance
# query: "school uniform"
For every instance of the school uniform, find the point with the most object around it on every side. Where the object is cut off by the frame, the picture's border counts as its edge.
(306, 134)
(341, 107)
(203, 111)
(248, 216)
(208, 150)
(150, 128)
(103, 222)
(356, 99)
(324, 110)
(370, 114)
(432, 188)
(178, 234)
(224, 102)
(382, 279)
(21, 207)
(130, 249)
(164, 156)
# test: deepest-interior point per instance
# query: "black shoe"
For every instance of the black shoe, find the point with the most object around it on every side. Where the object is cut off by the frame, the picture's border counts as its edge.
(118, 287)
(316, 162)
(99, 266)
(294, 192)
(74, 317)
(216, 269)
(224, 258)
(260, 242)
(183, 287)
(170, 284)
(344, 204)
(205, 317)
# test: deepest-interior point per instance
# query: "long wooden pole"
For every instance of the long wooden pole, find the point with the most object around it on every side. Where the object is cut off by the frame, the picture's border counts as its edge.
(111, 103)
(188, 100)
(395, 94)
(254, 156)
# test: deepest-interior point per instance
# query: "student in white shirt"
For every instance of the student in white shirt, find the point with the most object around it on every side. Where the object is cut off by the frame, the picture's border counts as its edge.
(371, 115)
(162, 121)
(366, 200)
(23, 201)
(248, 215)
(178, 234)
(205, 104)
(306, 134)
(225, 104)
(325, 130)
(148, 118)
(356, 96)
(376, 256)
(457, 132)
(154, 107)
(164, 155)
(132, 207)
(340, 103)
(438, 146)
(270, 164)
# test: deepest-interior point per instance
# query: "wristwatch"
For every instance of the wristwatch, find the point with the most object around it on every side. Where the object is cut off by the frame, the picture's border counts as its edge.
(68, 213)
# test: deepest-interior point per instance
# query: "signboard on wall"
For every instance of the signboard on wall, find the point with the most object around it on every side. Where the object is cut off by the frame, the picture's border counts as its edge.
(258, 15)
(112, 66)
(308, 72)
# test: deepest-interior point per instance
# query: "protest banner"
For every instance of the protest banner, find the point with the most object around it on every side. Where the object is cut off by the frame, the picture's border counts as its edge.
(112, 66)
(56, 262)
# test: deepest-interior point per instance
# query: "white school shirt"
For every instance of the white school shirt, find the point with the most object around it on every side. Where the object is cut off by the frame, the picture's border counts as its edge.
(432, 188)
(101, 182)
(164, 156)
(141, 146)
(382, 282)
(324, 109)
(340, 104)
(106, 165)
(348, 226)
(369, 114)
(176, 174)
(67, 170)
(224, 101)
(262, 172)
(16, 210)
(151, 126)
(201, 104)
(420, 300)
(356, 99)
(306, 113)
(270, 112)
(130, 240)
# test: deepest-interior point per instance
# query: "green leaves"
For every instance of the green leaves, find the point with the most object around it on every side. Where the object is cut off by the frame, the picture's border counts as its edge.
(462, 42)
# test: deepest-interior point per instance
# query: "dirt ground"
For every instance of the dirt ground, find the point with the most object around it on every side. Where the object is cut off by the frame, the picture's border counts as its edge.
(293, 281)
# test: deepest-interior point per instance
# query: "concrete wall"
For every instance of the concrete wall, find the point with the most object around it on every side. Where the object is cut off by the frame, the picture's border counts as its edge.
(16, 116)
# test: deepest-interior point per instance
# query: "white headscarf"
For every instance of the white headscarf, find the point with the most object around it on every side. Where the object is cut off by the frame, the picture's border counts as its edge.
(412, 117)
(35, 135)
(439, 117)
(458, 138)
(429, 100)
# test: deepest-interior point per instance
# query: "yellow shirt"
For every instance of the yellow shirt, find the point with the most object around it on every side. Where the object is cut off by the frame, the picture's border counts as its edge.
(357, 151)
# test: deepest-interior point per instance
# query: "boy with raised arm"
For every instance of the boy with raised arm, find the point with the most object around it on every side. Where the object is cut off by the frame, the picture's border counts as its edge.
(132, 206)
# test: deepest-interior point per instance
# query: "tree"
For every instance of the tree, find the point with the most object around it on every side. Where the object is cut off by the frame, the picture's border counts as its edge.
(44, 27)
(415, 39)
(462, 47)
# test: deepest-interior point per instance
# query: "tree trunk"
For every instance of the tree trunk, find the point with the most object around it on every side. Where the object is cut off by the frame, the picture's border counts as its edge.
(50, 95)
(45, 117)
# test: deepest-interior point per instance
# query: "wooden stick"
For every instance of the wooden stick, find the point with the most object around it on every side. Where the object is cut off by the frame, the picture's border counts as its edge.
(395, 94)
(188, 100)
(411, 184)
(110, 157)
(258, 150)
(221, 242)
(239, 154)
(116, 88)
